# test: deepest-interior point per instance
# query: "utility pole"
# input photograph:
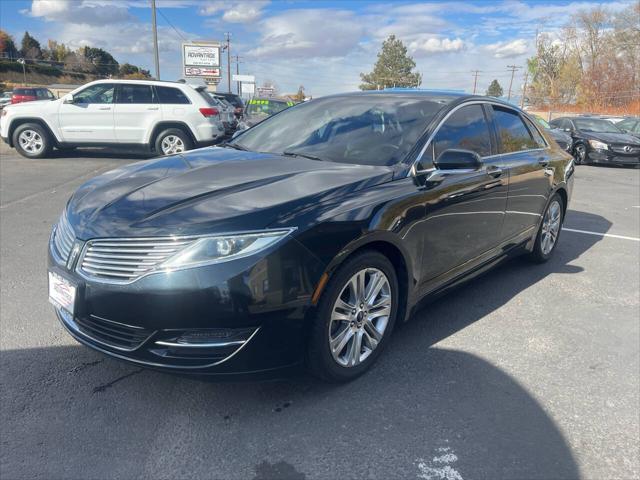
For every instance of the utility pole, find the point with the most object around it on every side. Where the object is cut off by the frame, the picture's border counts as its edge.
(155, 38)
(513, 69)
(237, 60)
(227, 37)
(475, 79)
(524, 89)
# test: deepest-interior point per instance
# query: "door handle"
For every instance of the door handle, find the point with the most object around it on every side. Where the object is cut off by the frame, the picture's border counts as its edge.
(153, 108)
(104, 108)
(494, 171)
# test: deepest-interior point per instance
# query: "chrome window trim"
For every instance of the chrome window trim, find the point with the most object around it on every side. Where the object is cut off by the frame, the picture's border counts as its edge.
(413, 171)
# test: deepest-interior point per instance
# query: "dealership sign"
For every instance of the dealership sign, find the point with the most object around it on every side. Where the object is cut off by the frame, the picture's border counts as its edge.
(201, 59)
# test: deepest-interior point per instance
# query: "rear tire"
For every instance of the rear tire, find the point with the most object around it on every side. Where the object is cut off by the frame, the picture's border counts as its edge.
(351, 329)
(32, 141)
(172, 141)
(549, 231)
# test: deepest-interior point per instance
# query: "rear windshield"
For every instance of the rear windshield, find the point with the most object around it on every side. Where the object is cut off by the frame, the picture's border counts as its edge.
(257, 106)
(234, 100)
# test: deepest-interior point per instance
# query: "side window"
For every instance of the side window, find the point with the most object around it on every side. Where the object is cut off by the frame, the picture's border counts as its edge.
(170, 95)
(134, 94)
(537, 137)
(466, 129)
(100, 93)
(512, 133)
(42, 94)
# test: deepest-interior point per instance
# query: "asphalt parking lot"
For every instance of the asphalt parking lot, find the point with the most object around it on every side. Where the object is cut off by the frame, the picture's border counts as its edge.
(531, 372)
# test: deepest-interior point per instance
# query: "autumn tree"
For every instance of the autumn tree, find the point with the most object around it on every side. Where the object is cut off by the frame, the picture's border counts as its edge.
(394, 68)
(7, 46)
(495, 89)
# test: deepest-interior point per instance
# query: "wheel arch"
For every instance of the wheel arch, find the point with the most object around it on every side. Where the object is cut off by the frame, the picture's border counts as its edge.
(15, 123)
(160, 126)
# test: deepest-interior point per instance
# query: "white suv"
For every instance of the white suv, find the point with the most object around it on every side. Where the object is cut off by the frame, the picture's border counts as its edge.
(166, 117)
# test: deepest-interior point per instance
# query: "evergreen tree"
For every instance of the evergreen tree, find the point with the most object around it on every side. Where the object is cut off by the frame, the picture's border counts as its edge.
(495, 90)
(394, 68)
(31, 48)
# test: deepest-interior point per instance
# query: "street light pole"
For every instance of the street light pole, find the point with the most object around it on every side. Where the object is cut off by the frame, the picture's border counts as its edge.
(227, 37)
(155, 38)
(24, 71)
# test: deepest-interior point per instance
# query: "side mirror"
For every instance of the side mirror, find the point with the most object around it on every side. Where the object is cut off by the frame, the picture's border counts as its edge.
(68, 98)
(455, 159)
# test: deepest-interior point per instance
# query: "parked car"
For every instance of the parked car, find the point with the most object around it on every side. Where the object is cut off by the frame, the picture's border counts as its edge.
(307, 238)
(31, 94)
(562, 138)
(630, 125)
(5, 99)
(227, 113)
(258, 109)
(599, 141)
(164, 117)
(234, 100)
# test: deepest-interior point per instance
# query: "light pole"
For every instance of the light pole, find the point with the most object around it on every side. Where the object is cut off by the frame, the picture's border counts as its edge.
(24, 71)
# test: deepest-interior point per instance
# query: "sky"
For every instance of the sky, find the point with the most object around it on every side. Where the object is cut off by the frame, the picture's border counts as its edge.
(322, 45)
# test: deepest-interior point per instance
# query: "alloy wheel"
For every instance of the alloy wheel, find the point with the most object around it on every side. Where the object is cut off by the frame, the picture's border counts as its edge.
(359, 317)
(31, 141)
(581, 154)
(551, 227)
(172, 144)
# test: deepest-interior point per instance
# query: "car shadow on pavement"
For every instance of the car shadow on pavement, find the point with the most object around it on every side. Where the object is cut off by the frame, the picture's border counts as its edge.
(423, 411)
(104, 152)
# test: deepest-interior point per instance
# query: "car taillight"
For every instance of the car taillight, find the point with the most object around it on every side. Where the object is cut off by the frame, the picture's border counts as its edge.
(209, 112)
(22, 98)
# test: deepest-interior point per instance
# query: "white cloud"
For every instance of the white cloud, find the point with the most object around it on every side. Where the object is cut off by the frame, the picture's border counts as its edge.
(435, 45)
(85, 12)
(235, 12)
(310, 32)
(511, 49)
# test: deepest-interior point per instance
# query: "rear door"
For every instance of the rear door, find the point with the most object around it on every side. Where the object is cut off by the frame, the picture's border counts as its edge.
(136, 112)
(524, 153)
(89, 119)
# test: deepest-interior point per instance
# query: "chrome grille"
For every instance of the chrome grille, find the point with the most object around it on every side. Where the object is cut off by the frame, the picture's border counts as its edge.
(124, 260)
(628, 149)
(63, 238)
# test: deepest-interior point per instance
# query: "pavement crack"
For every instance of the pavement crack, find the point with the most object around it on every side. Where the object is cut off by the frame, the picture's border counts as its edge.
(84, 365)
(105, 386)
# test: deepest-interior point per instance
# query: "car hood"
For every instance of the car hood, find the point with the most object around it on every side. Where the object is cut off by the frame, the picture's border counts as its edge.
(612, 137)
(211, 190)
(37, 104)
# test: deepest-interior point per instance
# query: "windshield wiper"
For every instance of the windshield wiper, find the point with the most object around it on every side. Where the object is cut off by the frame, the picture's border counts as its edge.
(232, 145)
(290, 153)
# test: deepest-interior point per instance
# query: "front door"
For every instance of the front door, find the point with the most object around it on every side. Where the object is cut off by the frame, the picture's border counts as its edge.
(89, 119)
(464, 209)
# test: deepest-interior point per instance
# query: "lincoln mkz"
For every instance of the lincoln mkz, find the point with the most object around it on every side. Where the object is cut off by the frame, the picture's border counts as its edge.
(308, 238)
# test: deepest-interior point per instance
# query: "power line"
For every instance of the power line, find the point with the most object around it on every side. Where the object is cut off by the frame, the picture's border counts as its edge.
(171, 25)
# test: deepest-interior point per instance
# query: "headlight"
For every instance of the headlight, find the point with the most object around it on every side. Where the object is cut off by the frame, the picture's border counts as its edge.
(208, 250)
(598, 145)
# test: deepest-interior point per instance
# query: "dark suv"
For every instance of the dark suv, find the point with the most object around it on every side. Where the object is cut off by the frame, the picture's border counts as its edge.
(599, 141)
(31, 94)
(234, 100)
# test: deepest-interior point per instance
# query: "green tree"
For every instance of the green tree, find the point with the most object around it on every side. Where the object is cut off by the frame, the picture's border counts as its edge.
(31, 48)
(99, 61)
(495, 90)
(7, 46)
(394, 68)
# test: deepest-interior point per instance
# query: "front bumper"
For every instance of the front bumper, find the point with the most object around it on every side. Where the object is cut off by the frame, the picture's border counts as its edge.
(613, 158)
(250, 313)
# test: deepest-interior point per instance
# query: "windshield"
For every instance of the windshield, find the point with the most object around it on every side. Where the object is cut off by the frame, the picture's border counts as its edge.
(266, 107)
(596, 125)
(363, 129)
(544, 123)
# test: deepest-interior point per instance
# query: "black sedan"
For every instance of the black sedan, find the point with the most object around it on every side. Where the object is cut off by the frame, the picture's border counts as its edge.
(562, 138)
(596, 140)
(308, 238)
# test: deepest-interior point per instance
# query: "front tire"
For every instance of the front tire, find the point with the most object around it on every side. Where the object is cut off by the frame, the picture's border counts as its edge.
(580, 154)
(355, 318)
(173, 141)
(549, 232)
(32, 141)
